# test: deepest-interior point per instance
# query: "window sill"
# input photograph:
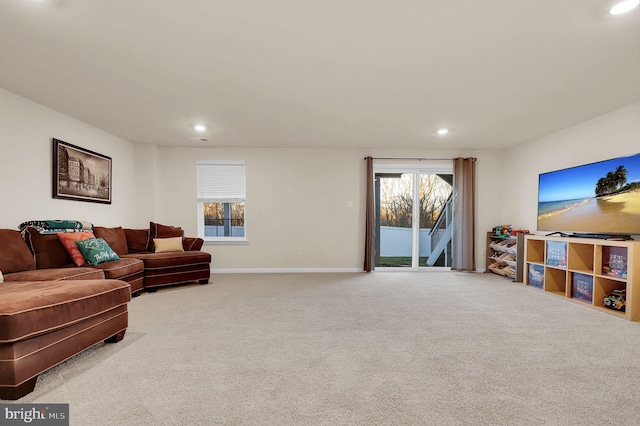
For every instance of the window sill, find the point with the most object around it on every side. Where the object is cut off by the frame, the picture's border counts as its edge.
(225, 241)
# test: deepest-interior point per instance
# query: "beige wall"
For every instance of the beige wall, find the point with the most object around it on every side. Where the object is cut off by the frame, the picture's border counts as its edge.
(146, 159)
(26, 130)
(295, 199)
(312, 199)
(609, 136)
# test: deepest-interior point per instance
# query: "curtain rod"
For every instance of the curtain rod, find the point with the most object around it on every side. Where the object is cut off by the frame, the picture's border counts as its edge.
(408, 158)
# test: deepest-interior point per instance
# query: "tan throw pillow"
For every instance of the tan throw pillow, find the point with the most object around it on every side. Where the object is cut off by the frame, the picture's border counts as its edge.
(163, 245)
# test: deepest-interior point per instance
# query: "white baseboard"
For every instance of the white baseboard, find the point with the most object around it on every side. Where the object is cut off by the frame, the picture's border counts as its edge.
(321, 270)
(283, 270)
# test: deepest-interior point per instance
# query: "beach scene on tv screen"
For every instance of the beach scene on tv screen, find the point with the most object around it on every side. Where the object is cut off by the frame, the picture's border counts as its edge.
(601, 197)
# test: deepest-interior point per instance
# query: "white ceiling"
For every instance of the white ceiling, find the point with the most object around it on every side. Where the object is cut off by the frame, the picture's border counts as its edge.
(329, 73)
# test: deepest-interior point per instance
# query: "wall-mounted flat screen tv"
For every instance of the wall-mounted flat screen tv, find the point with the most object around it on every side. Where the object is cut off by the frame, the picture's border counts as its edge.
(597, 198)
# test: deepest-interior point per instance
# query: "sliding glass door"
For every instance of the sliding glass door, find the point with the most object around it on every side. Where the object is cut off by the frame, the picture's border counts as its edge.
(413, 215)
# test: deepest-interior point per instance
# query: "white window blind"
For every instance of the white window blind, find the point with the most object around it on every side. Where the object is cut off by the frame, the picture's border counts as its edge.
(221, 181)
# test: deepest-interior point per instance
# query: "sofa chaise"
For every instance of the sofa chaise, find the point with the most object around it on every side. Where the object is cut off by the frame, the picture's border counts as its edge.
(160, 268)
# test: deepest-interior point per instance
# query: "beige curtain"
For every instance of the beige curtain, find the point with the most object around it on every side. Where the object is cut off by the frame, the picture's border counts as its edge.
(369, 238)
(464, 215)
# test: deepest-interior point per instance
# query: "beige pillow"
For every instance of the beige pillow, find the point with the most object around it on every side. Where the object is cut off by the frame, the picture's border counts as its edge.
(167, 244)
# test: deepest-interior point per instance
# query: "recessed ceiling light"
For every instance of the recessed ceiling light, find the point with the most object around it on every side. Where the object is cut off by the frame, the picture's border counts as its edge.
(443, 131)
(200, 127)
(624, 7)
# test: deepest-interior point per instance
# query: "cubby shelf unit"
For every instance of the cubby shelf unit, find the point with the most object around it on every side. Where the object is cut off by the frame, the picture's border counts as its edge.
(585, 269)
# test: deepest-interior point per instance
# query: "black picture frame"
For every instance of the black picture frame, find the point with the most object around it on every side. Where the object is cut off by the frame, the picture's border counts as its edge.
(80, 174)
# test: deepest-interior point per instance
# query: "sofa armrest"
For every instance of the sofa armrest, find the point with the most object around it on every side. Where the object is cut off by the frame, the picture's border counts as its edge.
(192, 244)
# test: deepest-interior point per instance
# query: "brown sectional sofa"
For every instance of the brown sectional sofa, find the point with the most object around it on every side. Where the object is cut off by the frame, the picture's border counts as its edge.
(138, 264)
(51, 309)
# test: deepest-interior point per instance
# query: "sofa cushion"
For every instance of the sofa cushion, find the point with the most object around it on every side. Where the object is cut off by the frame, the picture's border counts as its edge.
(96, 251)
(14, 253)
(162, 245)
(192, 244)
(118, 269)
(162, 269)
(56, 274)
(136, 239)
(47, 248)
(130, 270)
(68, 240)
(157, 230)
(33, 308)
(115, 237)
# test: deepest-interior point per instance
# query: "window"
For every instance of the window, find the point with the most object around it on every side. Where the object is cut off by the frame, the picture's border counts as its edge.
(221, 200)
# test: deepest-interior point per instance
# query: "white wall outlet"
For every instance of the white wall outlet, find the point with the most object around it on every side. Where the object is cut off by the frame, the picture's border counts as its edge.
(298, 250)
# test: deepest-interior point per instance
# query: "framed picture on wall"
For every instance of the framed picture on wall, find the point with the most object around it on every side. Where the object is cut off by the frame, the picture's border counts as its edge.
(80, 174)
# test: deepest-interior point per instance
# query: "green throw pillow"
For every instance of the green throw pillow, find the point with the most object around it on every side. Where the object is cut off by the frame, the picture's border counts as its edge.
(96, 251)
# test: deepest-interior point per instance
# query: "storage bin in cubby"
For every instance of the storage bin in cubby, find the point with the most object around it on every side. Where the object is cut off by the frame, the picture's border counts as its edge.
(582, 287)
(556, 254)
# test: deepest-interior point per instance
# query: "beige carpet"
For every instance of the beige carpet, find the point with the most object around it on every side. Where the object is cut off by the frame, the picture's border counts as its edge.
(438, 348)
